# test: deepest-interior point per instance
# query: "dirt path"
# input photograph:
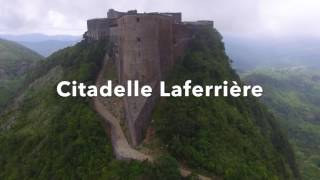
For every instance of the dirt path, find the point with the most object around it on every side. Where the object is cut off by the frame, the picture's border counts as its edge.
(121, 147)
(120, 144)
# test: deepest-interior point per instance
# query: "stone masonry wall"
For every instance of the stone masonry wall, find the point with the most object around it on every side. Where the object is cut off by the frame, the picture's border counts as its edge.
(98, 28)
(145, 53)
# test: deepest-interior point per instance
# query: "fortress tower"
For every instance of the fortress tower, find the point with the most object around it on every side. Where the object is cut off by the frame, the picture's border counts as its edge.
(148, 44)
(145, 51)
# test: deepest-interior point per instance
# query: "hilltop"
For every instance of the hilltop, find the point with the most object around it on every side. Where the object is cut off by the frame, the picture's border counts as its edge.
(41, 43)
(141, 138)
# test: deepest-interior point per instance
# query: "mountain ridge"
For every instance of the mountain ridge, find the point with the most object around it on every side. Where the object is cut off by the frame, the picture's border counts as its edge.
(15, 61)
(42, 43)
(63, 138)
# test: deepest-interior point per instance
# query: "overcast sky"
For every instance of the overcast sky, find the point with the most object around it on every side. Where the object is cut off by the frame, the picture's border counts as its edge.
(245, 17)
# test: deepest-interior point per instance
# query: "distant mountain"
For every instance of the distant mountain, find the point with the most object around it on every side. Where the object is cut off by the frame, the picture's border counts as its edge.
(15, 60)
(46, 48)
(249, 53)
(43, 44)
(39, 37)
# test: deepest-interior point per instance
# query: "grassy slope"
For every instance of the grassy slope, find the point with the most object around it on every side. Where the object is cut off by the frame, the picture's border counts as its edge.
(293, 94)
(14, 62)
(234, 138)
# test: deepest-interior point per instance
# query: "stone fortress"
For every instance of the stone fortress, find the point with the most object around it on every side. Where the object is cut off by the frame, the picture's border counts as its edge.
(146, 46)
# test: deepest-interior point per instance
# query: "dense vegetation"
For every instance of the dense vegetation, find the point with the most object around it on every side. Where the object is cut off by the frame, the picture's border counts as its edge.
(233, 138)
(293, 94)
(12, 54)
(43, 136)
(15, 60)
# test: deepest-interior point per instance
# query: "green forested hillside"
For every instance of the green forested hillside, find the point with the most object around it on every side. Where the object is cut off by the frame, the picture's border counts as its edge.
(293, 94)
(15, 60)
(44, 136)
(233, 138)
(12, 53)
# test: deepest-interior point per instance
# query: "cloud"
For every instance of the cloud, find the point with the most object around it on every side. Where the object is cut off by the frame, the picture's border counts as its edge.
(265, 17)
(290, 17)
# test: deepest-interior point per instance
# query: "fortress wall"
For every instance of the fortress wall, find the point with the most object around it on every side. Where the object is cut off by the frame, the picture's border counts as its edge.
(114, 14)
(165, 45)
(182, 36)
(145, 48)
(200, 24)
(114, 34)
(98, 28)
(139, 48)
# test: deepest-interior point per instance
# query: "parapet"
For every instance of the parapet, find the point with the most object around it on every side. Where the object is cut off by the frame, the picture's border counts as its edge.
(113, 14)
(99, 28)
(202, 23)
(103, 28)
(177, 17)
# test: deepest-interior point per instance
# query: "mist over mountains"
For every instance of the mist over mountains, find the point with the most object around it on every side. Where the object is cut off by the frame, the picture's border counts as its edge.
(246, 52)
(43, 44)
(249, 53)
(288, 70)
